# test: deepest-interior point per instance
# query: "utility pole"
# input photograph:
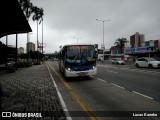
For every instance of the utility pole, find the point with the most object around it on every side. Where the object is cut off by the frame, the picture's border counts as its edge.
(103, 46)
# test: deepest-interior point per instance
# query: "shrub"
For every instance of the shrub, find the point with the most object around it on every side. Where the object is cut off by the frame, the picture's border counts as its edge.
(24, 64)
(37, 63)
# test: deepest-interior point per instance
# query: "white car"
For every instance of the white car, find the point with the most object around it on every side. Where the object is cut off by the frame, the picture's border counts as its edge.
(11, 63)
(147, 62)
(117, 61)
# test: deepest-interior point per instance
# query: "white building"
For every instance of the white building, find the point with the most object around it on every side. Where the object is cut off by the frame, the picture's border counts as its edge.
(21, 50)
(30, 46)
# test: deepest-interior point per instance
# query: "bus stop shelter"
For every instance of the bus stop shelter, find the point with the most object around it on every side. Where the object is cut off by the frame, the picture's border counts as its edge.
(13, 20)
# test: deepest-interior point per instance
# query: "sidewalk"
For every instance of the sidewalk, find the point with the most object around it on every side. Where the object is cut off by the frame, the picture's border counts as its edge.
(31, 90)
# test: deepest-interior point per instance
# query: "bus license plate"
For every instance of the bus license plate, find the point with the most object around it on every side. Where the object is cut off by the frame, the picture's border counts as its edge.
(82, 73)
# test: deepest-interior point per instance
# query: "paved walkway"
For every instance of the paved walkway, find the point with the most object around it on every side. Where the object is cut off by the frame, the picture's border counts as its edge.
(31, 90)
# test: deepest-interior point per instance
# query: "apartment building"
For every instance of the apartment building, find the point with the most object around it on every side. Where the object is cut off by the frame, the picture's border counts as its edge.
(30, 46)
(137, 39)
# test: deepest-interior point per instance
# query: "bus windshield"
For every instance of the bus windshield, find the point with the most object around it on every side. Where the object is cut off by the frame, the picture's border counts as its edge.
(80, 55)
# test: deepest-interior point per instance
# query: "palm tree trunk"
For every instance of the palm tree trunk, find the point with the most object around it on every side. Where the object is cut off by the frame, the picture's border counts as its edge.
(37, 43)
(16, 49)
(28, 39)
(42, 41)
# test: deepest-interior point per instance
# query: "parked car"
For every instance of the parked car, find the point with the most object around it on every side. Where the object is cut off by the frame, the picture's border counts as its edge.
(147, 62)
(157, 58)
(11, 63)
(117, 61)
(11, 66)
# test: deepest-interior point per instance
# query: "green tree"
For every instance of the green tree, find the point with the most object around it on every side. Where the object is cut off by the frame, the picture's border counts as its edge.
(23, 56)
(26, 6)
(120, 42)
(29, 9)
(38, 16)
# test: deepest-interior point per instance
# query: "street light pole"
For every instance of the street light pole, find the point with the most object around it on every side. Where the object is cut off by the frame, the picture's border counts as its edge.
(77, 39)
(103, 35)
(103, 27)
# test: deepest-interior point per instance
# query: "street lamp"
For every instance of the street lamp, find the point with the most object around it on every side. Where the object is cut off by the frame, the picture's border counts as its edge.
(103, 27)
(103, 34)
(77, 39)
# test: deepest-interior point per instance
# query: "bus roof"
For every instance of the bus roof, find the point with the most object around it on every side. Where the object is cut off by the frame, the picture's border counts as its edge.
(74, 44)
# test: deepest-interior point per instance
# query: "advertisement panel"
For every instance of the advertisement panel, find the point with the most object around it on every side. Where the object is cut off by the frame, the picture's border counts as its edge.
(135, 50)
(141, 49)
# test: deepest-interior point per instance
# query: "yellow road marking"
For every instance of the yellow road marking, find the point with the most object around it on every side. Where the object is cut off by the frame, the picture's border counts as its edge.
(76, 96)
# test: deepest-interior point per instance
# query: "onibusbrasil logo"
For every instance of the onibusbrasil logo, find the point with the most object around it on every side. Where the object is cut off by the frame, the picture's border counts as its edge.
(14, 114)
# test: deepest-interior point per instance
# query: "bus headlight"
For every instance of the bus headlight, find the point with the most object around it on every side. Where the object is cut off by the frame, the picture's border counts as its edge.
(69, 69)
(93, 67)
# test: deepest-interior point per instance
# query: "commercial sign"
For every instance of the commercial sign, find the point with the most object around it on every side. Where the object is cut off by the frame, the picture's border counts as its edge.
(135, 50)
(141, 49)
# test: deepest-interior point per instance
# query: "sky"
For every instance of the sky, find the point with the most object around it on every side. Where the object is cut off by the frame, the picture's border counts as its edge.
(67, 20)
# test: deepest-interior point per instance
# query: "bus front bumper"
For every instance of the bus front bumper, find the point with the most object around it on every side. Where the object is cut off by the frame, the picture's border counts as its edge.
(81, 73)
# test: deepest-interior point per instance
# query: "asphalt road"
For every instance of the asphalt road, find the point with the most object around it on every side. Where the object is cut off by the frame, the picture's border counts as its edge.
(143, 81)
(112, 89)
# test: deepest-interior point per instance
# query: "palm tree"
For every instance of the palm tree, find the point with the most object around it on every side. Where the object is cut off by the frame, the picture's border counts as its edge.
(38, 15)
(120, 42)
(28, 9)
(26, 6)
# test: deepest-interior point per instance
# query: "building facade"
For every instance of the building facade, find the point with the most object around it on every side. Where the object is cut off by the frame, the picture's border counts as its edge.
(147, 49)
(139, 47)
(137, 39)
(30, 47)
(21, 50)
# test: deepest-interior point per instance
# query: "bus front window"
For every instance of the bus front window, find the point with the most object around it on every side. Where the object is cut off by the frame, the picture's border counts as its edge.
(80, 55)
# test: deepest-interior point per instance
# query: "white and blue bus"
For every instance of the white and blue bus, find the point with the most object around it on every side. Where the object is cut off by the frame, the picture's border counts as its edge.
(77, 60)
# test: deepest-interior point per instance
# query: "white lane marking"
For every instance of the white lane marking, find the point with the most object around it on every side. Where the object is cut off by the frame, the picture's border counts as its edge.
(101, 80)
(111, 71)
(117, 86)
(60, 97)
(142, 95)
